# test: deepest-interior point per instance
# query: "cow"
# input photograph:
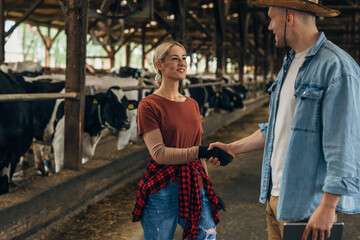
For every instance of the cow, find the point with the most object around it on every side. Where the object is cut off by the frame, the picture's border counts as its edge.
(16, 128)
(206, 97)
(41, 113)
(130, 135)
(102, 83)
(198, 93)
(103, 110)
(210, 99)
(230, 99)
(26, 68)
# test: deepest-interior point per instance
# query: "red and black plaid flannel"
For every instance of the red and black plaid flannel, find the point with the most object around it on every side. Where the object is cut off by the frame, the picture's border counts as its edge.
(158, 176)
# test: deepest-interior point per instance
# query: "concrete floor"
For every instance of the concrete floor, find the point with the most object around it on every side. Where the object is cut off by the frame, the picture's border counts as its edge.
(237, 184)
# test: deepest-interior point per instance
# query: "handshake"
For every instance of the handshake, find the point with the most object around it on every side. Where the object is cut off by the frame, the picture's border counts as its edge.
(223, 157)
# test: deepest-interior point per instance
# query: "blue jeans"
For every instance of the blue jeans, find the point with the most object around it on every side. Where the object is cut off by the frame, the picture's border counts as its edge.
(161, 215)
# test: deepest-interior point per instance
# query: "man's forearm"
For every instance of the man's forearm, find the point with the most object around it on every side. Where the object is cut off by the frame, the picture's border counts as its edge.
(330, 200)
(255, 141)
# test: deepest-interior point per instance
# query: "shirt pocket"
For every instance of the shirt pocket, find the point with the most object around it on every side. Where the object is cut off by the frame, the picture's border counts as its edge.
(271, 91)
(307, 109)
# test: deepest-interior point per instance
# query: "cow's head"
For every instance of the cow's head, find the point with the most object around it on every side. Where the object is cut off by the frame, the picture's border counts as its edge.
(114, 107)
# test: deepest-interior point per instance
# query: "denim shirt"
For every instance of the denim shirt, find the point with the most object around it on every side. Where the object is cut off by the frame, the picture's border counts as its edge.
(323, 152)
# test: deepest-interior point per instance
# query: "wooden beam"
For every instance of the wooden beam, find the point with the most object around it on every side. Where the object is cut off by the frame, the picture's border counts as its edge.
(220, 30)
(199, 26)
(157, 43)
(243, 24)
(2, 35)
(76, 28)
(128, 38)
(266, 59)
(105, 5)
(180, 9)
(48, 42)
(256, 30)
(227, 7)
(128, 55)
(143, 35)
(164, 24)
(24, 16)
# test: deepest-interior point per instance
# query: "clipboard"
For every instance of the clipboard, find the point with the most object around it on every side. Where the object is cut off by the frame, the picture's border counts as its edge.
(294, 231)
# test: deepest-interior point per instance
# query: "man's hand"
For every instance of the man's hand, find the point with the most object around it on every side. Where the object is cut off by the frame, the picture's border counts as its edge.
(223, 146)
(222, 156)
(321, 221)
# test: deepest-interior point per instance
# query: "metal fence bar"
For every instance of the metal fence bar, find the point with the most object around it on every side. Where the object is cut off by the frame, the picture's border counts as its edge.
(202, 84)
(36, 96)
(138, 87)
(187, 86)
(74, 95)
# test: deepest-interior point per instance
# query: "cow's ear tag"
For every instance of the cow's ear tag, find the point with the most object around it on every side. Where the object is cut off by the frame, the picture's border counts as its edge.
(217, 94)
(95, 101)
(131, 106)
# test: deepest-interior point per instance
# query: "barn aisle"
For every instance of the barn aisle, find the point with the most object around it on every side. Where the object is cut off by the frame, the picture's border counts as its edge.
(238, 185)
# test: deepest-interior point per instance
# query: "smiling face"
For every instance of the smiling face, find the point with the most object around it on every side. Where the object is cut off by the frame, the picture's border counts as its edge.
(173, 65)
(277, 24)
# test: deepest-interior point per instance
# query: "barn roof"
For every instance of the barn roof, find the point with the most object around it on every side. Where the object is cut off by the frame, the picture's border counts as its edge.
(158, 18)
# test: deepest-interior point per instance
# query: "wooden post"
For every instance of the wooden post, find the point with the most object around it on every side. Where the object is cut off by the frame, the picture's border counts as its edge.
(143, 35)
(48, 42)
(128, 54)
(265, 58)
(110, 50)
(357, 36)
(243, 23)
(76, 25)
(220, 29)
(180, 8)
(257, 28)
(2, 32)
(207, 59)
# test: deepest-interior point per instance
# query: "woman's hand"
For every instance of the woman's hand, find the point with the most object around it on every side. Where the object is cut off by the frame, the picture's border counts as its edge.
(217, 153)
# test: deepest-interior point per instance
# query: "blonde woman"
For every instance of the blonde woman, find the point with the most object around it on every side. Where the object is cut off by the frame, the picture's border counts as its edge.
(175, 187)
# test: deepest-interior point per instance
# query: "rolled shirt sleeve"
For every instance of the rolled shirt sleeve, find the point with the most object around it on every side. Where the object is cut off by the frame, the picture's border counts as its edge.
(341, 136)
(263, 127)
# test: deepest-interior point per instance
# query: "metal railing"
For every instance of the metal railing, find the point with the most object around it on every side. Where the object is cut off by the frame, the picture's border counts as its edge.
(37, 96)
(74, 95)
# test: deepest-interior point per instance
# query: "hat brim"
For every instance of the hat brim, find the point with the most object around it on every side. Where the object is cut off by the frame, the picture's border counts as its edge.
(300, 5)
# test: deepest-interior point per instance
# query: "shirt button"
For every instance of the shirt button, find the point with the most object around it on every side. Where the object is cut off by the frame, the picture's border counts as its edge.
(304, 92)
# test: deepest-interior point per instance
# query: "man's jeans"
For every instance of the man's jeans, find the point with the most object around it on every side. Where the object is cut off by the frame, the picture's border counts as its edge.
(275, 227)
(161, 215)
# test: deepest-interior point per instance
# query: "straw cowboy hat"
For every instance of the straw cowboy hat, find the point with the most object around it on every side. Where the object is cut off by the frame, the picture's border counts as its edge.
(311, 6)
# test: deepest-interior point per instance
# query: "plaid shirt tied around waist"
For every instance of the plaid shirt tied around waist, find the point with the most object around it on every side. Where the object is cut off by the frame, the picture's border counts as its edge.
(158, 176)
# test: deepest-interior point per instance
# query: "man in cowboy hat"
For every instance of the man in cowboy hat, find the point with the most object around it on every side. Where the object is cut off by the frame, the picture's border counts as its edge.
(311, 162)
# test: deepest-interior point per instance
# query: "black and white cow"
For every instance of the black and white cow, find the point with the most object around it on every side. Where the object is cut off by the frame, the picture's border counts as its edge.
(16, 128)
(26, 68)
(200, 94)
(210, 99)
(42, 109)
(101, 111)
(103, 83)
(230, 100)
(129, 135)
